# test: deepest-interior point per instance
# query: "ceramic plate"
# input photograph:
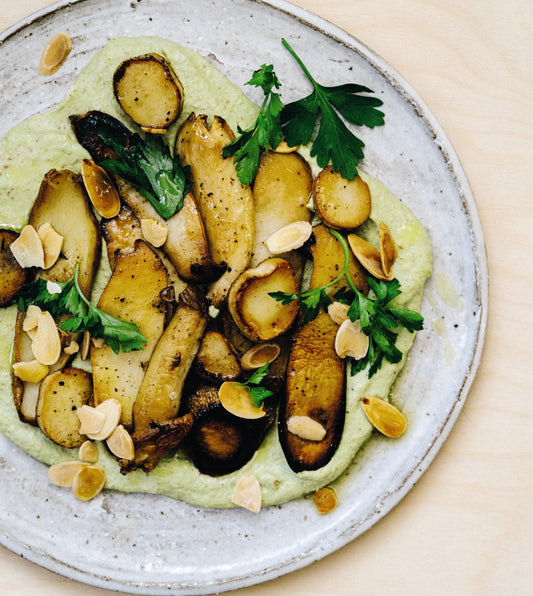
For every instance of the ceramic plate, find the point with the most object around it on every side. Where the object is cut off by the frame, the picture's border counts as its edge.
(153, 545)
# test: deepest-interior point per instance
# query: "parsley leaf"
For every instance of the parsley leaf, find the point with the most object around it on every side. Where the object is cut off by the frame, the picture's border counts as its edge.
(148, 165)
(378, 319)
(258, 392)
(116, 333)
(333, 141)
(264, 134)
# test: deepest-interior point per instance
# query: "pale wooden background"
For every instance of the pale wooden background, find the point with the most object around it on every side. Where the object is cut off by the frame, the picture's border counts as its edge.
(467, 526)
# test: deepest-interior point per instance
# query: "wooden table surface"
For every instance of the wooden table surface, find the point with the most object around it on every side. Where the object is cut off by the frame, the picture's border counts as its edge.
(467, 526)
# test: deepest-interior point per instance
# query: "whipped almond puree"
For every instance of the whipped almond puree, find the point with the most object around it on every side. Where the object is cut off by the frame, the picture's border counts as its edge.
(46, 141)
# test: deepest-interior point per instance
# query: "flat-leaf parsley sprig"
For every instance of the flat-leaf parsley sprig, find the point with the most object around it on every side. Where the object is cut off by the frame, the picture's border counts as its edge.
(379, 320)
(256, 385)
(334, 141)
(116, 333)
(264, 134)
(148, 165)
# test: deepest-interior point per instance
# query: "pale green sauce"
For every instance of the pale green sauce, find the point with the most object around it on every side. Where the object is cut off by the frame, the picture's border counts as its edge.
(46, 141)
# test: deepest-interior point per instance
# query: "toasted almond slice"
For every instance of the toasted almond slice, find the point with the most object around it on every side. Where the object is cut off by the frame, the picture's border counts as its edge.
(289, 237)
(52, 244)
(338, 312)
(72, 348)
(155, 232)
(325, 500)
(258, 355)
(62, 474)
(306, 428)
(351, 341)
(30, 372)
(88, 482)
(89, 452)
(46, 345)
(154, 131)
(284, 148)
(100, 188)
(387, 249)
(112, 409)
(247, 493)
(384, 416)
(55, 53)
(237, 400)
(31, 319)
(368, 256)
(53, 287)
(85, 345)
(97, 342)
(28, 248)
(91, 420)
(120, 443)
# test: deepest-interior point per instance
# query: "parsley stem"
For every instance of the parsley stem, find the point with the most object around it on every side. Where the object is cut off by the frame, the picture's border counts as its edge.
(346, 267)
(300, 63)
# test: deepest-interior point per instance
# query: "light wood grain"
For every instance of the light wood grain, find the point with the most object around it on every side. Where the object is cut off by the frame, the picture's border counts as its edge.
(467, 526)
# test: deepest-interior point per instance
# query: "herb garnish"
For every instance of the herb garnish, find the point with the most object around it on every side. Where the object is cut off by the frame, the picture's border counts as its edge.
(116, 333)
(296, 123)
(264, 134)
(149, 167)
(258, 393)
(377, 317)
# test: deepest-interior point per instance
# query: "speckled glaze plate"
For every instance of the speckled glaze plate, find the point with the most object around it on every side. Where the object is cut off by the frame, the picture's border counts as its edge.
(154, 545)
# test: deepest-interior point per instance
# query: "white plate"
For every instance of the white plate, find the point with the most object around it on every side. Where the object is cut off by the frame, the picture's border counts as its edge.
(154, 545)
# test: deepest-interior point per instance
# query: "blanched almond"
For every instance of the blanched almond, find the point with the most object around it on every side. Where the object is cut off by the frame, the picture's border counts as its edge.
(351, 341)
(52, 244)
(28, 248)
(247, 493)
(258, 355)
(368, 256)
(111, 408)
(91, 420)
(62, 474)
(155, 232)
(72, 348)
(338, 312)
(306, 428)
(237, 400)
(325, 500)
(31, 319)
(55, 53)
(387, 249)
(120, 443)
(290, 237)
(384, 416)
(46, 344)
(30, 372)
(89, 452)
(53, 287)
(100, 188)
(88, 482)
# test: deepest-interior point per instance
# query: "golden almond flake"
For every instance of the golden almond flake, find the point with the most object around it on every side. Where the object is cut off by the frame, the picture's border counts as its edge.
(258, 355)
(120, 443)
(72, 348)
(30, 372)
(88, 482)
(53, 287)
(46, 344)
(89, 452)
(325, 500)
(55, 53)
(62, 474)
(387, 250)
(306, 428)
(52, 244)
(91, 420)
(384, 416)
(290, 237)
(237, 400)
(111, 408)
(283, 147)
(85, 345)
(31, 319)
(155, 232)
(247, 493)
(28, 248)
(351, 341)
(368, 256)
(101, 189)
(338, 312)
